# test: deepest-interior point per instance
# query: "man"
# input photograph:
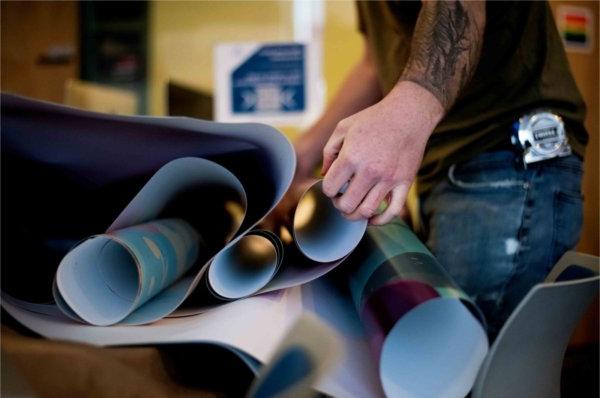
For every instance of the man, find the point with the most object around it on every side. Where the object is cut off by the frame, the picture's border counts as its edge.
(438, 92)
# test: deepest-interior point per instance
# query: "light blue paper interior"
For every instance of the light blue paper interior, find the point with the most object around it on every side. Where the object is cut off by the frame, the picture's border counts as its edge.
(162, 303)
(166, 183)
(101, 291)
(244, 268)
(118, 270)
(435, 350)
(321, 232)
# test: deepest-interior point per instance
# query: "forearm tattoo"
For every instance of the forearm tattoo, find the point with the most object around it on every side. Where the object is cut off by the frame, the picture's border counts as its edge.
(445, 48)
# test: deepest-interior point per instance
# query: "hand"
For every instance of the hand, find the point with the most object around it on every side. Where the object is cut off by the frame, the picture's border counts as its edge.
(379, 150)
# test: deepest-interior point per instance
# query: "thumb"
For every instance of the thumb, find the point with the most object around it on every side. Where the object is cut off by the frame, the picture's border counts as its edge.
(331, 151)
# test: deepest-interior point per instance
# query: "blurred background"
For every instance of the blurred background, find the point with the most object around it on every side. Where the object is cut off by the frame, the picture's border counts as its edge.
(161, 53)
(156, 58)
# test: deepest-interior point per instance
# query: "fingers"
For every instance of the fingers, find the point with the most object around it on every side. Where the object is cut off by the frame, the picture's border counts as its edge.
(397, 199)
(331, 151)
(359, 187)
(371, 203)
(339, 173)
(334, 145)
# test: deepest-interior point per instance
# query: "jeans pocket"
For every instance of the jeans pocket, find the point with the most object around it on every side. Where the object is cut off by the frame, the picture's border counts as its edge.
(568, 216)
(483, 175)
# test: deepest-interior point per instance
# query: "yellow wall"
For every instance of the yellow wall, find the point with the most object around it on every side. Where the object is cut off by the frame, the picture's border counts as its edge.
(183, 34)
(342, 47)
(342, 43)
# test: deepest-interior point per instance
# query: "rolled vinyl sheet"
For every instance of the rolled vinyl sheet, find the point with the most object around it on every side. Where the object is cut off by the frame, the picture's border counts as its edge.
(424, 331)
(94, 145)
(135, 264)
(321, 241)
(107, 148)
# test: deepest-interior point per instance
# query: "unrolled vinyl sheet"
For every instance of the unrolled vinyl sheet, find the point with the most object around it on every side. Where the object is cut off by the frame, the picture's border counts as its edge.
(255, 325)
(238, 324)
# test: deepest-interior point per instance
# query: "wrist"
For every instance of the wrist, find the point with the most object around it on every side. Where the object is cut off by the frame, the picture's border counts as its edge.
(417, 100)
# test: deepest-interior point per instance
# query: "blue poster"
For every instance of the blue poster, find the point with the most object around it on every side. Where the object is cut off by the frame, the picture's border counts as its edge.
(270, 80)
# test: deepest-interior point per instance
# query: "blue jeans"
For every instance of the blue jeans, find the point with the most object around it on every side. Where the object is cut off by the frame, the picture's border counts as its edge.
(499, 228)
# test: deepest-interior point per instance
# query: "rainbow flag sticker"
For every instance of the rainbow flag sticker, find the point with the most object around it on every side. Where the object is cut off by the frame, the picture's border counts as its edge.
(576, 27)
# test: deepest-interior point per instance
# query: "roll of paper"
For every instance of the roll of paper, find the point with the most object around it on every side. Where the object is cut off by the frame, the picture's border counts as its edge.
(426, 334)
(320, 231)
(107, 277)
(260, 262)
(246, 267)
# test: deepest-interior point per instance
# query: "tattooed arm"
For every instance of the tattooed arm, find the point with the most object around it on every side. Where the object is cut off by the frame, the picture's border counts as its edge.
(380, 149)
(445, 47)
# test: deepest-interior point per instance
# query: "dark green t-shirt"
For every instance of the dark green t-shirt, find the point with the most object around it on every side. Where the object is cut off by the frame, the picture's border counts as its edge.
(522, 67)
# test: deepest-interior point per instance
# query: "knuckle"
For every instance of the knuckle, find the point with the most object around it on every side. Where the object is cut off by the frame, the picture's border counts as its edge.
(388, 179)
(328, 192)
(403, 180)
(345, 160)
(342, 125)
(342, 157)
(388, 176)
(366, 212)
(371, 171)
(353, 217)
(346, 207)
